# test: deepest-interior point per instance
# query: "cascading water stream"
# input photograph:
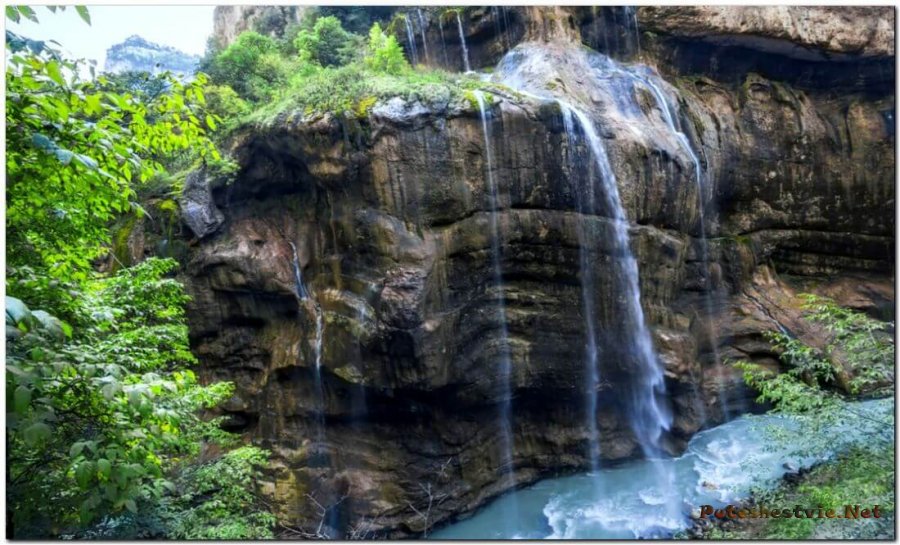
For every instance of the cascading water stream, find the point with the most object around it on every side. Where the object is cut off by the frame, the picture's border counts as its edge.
(670, 120)
(443, 42)
(591, 360)
(631, 16)
(649, 417)
(303, 295)
(505, 367)
(462, 41)
(422, 32)
(411, 37)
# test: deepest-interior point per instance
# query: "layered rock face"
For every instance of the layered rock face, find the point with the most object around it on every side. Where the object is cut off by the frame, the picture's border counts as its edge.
(345, 281)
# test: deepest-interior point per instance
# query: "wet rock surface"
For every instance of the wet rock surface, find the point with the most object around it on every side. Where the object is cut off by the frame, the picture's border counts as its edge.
(389, 223)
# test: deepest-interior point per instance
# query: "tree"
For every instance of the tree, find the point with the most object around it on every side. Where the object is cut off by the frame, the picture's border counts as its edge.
(251, 66)
(326, 44)
(96, 412)
(385, 54)
(75, 150)
(103, 409)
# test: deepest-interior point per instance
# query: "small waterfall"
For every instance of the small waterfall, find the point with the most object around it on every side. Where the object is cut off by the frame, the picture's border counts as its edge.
(505, 368)
(422, 32)
(591, 359)
(303, 295)
(462, 40)
(443, 42)
(671, 123)
(411, 37)
(649, 417)
(298, 276)
(631, 16)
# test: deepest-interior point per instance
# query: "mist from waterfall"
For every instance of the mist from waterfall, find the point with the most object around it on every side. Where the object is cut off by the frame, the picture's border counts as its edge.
(462, 41)
(505, 363)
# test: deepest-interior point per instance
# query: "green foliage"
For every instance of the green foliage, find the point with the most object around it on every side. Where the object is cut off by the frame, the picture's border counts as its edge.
(74, 152)
(102, 407)
(858, 477)
(864, 342)
(223, 102)
(217, 500)
(358, 19)
(385, 55)
(92, 419)
(327, 43)
(251, 66)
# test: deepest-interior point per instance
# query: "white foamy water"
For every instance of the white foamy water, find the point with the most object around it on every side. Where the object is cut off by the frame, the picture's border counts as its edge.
(720, 466)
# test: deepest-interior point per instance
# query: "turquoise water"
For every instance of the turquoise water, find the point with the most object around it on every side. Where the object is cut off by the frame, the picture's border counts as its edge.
(628, 501)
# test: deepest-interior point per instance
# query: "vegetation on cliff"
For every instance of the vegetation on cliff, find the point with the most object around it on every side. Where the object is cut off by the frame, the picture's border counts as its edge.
(320, 68)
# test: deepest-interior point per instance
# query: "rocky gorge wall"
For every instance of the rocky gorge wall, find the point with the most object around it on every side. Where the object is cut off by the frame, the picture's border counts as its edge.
(392, 402)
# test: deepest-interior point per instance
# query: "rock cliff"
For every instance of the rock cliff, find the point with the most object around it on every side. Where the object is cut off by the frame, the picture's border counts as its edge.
(344, 281)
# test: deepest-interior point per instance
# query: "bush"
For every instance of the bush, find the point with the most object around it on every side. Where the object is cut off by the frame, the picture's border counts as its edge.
(384, 55)
(327, 43)
(251, 66)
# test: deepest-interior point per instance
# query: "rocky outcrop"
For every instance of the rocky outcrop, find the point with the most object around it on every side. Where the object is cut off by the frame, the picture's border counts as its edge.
(810, 33)
(381, 387)
(230, 21)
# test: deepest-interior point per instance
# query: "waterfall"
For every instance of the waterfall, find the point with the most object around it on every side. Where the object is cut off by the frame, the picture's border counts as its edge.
(670, 120)
(592, 373)
(631, 16)
(443, 42)
(303, 295)
(411, 37)
(649, 418)
(298, 277)
(505, 408)
(422, 32)
(462, 40)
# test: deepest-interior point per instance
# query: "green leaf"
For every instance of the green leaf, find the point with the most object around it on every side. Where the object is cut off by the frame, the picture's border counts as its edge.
(130, 505)
(110, 390)
(211, 122)
(12, 13)
(21, 399)
(76, 449)
(29, 13)
(104, 467)
(54, 73)
(36, 433)
(83, 13)
(84, 472)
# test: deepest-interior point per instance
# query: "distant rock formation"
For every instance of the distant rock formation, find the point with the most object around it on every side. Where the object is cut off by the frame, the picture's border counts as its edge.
(139, 55)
